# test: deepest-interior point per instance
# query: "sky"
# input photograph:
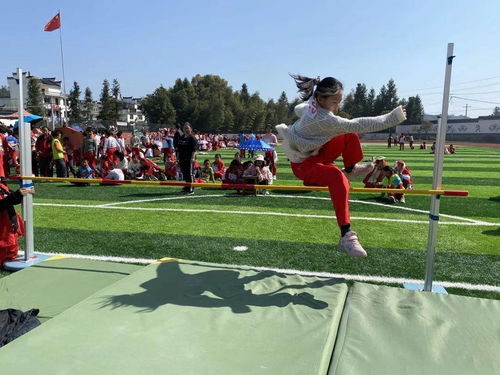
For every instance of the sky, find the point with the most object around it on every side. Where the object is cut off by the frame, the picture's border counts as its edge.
(151, 43)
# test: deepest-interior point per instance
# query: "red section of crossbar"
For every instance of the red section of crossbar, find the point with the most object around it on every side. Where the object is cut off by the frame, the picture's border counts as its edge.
(456, 193)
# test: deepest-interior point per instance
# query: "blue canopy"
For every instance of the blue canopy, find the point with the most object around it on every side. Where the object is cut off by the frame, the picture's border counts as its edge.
(30, 118)
(77, 127)
(255, 145)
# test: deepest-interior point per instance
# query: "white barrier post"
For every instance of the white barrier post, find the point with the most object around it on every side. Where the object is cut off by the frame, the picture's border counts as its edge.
(26, 170)
(438, 174)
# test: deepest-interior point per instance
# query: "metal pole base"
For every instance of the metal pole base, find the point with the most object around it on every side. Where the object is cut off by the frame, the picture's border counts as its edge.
(420, 288)
(19, 263)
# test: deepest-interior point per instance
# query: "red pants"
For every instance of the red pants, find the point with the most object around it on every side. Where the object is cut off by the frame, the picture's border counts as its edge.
(272, 166)
(8, 240)
(319, 170)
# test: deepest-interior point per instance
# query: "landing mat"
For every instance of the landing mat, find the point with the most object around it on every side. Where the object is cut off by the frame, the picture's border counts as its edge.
(389, 331)
(181, 317)
(57, 283)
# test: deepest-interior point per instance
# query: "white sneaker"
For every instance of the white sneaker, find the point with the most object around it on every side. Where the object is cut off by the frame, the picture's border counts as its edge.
(359, 170)
(350, 245)
(402, 200)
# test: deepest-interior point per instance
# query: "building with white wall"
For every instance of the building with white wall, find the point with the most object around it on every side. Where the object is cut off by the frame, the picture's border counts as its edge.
(53, 99)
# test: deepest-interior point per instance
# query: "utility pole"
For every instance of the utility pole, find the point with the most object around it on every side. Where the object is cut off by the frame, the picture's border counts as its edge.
(466, 107)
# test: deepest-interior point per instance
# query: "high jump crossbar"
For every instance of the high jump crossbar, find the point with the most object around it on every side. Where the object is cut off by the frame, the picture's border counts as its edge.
(455, 193)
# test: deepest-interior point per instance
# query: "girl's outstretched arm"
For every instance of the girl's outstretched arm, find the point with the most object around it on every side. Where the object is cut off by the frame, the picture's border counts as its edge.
(360, 125)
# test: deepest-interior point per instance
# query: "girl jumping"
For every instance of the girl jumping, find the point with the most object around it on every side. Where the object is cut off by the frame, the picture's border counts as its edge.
(319, 137)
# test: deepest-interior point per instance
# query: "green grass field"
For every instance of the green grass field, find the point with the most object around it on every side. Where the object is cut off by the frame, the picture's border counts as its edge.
(289, 229)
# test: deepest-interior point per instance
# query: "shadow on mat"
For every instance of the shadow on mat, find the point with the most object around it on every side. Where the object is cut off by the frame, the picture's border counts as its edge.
(172, 286)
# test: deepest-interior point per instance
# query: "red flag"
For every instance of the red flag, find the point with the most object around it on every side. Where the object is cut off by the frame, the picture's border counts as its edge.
(53, 24)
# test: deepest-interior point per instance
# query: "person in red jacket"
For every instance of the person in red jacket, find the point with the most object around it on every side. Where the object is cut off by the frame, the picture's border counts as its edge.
(11, 224)
(43, 147)
(375, 177)
(219, 167)
(4, 159)
(402, 170)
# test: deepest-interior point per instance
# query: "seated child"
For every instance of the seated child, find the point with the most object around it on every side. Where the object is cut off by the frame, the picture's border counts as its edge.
(249, 169)
(134, 169)
(233, 173)
(218, 167)
(423, 146)
(452, 149)
(207, 173)
(393, 181)
(404, 173)
(122, 161)
(115, 173)
(263, 173)
(11, 224)
(84, 170)
(375, 177)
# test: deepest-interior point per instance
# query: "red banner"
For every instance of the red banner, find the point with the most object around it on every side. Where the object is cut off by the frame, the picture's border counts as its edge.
(53, 24)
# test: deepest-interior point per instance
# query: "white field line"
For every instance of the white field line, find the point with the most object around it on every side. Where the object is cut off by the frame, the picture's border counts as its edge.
(256, 213)
(299, 197)
(362, 278)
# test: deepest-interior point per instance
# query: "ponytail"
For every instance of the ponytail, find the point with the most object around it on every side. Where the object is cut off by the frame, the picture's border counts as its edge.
(326, 87)
(305, 85)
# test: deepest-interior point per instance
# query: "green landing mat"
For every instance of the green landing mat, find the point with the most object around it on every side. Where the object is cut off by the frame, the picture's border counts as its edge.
(190, 318)
(58, 283)
(393, 331)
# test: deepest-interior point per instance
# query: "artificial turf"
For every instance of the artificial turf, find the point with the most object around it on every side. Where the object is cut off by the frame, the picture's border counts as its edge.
(160, 226)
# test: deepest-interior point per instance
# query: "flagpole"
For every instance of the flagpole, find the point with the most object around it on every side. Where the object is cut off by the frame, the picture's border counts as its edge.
(62, 63)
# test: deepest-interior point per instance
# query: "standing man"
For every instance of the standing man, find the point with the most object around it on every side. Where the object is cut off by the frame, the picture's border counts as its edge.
(251, 153)
(90, 147)
(401, 142)
(389, 141)
(58, 154)
(411, 140)
(271, 140)
(186, 154)
(44, 151)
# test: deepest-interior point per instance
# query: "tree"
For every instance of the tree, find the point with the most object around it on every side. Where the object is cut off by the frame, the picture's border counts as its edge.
(496, 111)
(115, 91)
(414, 110)
(88, 105)
(4, 92)
(116, 100)
(282, 110)
(108, 105)
(34, 102)
(158, 108)
(387, 99)
(75, 115)
(370, 102)
(359, 101)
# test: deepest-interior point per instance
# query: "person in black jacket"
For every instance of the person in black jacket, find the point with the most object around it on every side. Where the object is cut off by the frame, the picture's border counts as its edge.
(11, 224)
(186, 154)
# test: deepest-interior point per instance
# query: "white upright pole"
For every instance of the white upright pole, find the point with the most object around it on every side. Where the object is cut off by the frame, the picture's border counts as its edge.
(438, 174)
(26, 170)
